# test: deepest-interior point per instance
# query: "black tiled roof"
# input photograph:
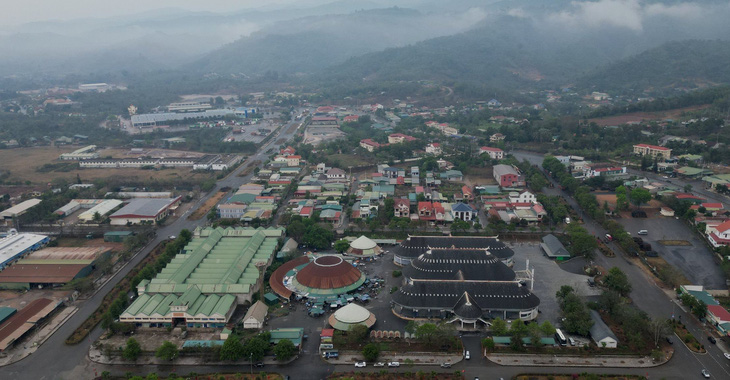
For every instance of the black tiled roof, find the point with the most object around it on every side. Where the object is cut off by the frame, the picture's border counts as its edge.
(416, 245)
(445, 294)
(458, 264)
(466, 308)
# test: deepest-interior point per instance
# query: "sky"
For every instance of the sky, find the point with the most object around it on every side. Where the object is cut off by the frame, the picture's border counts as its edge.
(16, 12)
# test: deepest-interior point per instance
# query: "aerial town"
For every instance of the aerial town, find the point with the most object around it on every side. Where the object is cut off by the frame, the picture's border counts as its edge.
(365, 190)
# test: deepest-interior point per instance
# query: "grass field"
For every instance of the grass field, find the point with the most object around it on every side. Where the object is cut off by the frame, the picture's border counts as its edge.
(346, 160)
(22, 163)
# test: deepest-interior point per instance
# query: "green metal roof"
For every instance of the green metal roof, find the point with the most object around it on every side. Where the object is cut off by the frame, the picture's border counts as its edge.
(703, 297)
(6, 312)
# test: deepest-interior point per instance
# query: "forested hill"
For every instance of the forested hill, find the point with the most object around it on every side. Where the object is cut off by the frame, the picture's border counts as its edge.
(687, 64)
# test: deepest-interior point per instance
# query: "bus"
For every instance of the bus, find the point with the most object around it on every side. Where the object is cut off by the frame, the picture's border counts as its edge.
(560, 338)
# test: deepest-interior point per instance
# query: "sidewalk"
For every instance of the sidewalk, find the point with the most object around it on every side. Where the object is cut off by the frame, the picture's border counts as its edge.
(420, 358)
(96, 356)
(611, 361)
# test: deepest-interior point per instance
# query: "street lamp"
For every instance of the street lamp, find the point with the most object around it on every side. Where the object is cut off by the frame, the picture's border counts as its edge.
(250, 360)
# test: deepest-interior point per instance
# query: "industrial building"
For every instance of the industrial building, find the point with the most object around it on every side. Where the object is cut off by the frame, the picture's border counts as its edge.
(85, 153)
(19, 209)
(201, 286)
(144, 210)
(15, 245)
(103, 208)
(414, 246)
(188, 107)
(153, 119)
(17, 325)
(467, 286)
(52, 267)
(215, 162)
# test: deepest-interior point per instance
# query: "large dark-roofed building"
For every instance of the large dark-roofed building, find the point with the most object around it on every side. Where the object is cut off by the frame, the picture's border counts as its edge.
(464, 285)
(414, 246)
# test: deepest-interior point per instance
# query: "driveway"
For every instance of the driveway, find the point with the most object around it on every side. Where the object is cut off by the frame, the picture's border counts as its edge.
(696, 261)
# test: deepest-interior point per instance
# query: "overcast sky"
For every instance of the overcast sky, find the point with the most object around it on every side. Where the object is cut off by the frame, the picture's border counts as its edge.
(15, 12)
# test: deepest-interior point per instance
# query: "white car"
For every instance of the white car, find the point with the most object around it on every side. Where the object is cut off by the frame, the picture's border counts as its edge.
(705, 374)
(360, 365)
(379, 364)
(467, 355)
(393, 364)
(727, 356)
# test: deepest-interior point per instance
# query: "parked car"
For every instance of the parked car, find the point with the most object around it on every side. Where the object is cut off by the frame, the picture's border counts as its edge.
(705, 373)
(643, 232)
(572, 341)
(669, 340)
(727, 356)
(259, 364)
(609, 237)
(393, 364)
(467, 355)
(379, 364)
(712, 339)
(360, 365)
(448, 365)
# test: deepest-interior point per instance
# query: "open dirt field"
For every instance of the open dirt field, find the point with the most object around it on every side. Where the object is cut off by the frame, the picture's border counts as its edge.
(205, 208)
(479, 176)
(19, 300)
(23, 163)
(641, 116)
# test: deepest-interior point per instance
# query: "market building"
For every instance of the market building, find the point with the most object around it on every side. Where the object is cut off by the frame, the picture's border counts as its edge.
(364, 247)
(351, 315)
(324, 277)
(414, 246)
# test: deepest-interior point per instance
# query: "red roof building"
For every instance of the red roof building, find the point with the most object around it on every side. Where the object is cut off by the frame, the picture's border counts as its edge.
(351, 118)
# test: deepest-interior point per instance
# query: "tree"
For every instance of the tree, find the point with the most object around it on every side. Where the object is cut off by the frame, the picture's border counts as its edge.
(357, 333)
(411, 327)
(167, 351)
(132, 350)
(617, 281)
(284, 350)
(499, 326)
(535, 333)
(640, 196)
(342, 245)
(97, 217)
(426, 332)
(370, 352)
(659, 328)
(232, 349)
(255, 348)
(687, 188)
(547, 328)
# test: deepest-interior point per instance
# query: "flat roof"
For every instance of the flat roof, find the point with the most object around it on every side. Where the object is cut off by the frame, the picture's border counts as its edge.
(144, 207)
(19, 208)
(41, 273)
(13, 245)
(65, 255)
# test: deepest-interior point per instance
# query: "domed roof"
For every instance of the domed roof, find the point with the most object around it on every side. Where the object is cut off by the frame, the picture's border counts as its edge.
(352, 313)
(363, 242)
(328, 272)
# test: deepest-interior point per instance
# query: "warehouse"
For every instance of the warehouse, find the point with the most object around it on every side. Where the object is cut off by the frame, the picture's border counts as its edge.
(144, 210)
(218, 261)
(16, 245)
(414, 246)
(255, 316)
(24, 320)
(52, 267)
(117, 236)
(85, 153)
(553, 248)
(18, 209)
(102, 209)
(153, 119)
(467, 286)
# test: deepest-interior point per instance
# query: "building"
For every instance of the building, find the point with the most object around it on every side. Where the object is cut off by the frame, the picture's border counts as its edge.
(144, 210)
(25, 320)
(102, 208)
(19, 209)
(507, 176)
(467, 286)
(397, 138)
(601, 333)
(189, 107)
(434, 149)
(351, 315)
(232, 210)
(154, 119)
(497, 137)
(553, 248)
(255, 316)
(494, 153)
(85, 153)
(98, 87)
(364, 247)
(52, 267)
(336, 173)
(721, 235)
(295, 335)
(523, 196)
(719, 318)
(324, 276)
(414, 246)
(463, 211)
(117, 236)
(401, 208)
(201, 286)
(653, 151)
(369, 145)
(15, 245)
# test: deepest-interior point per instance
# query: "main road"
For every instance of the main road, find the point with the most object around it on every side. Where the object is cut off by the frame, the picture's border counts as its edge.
(56, 360)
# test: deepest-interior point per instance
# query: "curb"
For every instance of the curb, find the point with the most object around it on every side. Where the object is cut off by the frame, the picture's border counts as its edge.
(549, 363)
(686, 346)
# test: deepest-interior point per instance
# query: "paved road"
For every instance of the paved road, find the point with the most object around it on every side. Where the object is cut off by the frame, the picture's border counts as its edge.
(54, 359)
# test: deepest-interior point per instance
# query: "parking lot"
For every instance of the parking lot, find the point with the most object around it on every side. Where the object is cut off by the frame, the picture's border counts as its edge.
(695, 261)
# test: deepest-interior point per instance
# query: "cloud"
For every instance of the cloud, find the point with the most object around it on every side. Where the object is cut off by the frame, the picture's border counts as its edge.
(616, 13)
(681, 10)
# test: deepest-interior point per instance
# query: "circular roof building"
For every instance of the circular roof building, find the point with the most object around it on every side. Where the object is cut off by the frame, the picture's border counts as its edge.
(364, 247)
(351, 315)
(326, 276)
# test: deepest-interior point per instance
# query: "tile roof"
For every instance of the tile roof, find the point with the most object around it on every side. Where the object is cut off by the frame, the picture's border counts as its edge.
(416, 245)
(458, 264)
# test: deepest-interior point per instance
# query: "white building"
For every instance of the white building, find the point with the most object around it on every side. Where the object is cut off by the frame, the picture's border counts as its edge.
(188, 107)
(144, 210)
(102, 208)
(19, 209)
(494, 153)
(255, 316)
(16, 245)
(523, 196)
(85, 153)
(601, 333)
(434, 149)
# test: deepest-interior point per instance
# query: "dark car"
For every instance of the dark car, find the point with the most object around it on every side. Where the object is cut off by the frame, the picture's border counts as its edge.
(259, 364)
(712, 339)
(669, 340)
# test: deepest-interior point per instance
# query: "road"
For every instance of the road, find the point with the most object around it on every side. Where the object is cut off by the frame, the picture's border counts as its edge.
(54, 359)
(648, 296)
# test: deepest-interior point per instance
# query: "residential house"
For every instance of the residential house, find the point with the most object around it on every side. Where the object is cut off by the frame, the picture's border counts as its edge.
(466, 193)
(402, 208)
(336, 173)
(397, 138)
(288, 151)
(452, 175)
(369, 145)
(507, 176)
(721, 235)
(434, 149)
(497, 137)
(293, 160)
(523, 196)
(494, 153)
(654, 151)
(463, 211)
